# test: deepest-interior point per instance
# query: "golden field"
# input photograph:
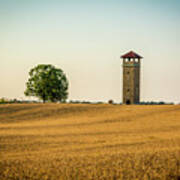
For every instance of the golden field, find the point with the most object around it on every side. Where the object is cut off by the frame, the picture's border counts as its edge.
(82, 142)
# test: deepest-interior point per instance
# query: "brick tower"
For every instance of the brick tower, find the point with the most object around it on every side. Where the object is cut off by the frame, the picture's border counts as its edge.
(131, 78)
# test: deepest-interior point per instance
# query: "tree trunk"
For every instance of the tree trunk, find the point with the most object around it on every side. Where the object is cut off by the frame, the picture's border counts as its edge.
(44, 99)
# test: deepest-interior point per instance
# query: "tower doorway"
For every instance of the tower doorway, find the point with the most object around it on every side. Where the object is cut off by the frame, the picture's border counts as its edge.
(128, 102)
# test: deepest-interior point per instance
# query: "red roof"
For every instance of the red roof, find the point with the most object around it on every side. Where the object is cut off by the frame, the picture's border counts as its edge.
(131, 54)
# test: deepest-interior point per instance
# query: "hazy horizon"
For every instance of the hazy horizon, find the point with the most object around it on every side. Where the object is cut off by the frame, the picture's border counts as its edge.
(86, 39)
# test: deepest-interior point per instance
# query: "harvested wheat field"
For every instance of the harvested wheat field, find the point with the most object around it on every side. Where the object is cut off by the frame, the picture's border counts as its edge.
(82, 142)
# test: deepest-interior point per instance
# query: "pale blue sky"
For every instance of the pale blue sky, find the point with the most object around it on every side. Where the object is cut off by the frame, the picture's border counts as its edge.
(86, 38)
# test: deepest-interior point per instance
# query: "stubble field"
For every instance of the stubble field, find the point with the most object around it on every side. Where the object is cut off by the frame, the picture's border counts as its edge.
(82, 142)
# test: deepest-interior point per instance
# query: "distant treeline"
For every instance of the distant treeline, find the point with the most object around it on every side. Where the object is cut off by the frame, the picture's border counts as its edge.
(11, 101)
(112, 102)
(155, 103)
(85, 102)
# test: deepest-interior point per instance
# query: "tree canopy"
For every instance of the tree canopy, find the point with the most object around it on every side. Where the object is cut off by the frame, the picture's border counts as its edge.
(47, 83)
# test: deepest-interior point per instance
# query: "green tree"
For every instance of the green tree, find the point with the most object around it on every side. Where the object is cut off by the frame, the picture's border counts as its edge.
(47, 83)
